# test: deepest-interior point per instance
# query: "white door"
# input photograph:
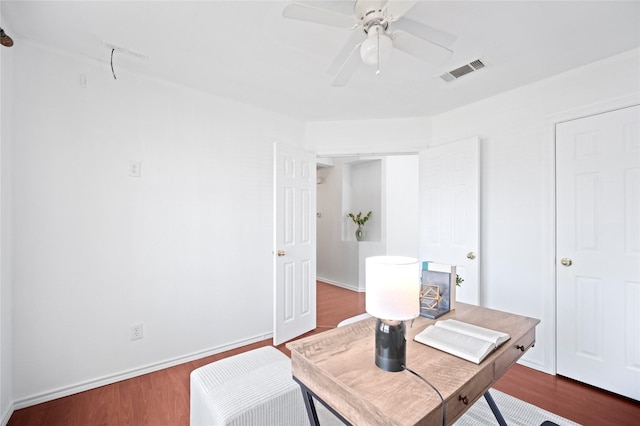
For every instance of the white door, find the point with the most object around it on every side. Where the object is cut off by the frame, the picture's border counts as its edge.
(294, 244)
(598, 250)
(449, 211)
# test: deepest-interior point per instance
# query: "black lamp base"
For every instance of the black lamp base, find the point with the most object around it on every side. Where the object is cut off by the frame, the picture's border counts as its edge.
(390, 345)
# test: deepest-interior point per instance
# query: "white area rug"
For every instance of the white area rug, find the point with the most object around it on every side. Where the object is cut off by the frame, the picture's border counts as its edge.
(514, 411)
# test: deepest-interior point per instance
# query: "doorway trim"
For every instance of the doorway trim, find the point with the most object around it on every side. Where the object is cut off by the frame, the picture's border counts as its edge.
(549, 290)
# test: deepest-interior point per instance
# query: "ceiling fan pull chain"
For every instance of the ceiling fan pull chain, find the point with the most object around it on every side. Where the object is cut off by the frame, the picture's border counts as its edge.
(378, 37)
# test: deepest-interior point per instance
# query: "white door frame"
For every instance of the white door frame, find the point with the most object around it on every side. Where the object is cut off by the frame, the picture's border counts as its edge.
(549, 290)
(582, 358)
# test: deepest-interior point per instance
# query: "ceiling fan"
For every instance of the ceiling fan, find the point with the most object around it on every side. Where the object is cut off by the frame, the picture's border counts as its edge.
(372, 40)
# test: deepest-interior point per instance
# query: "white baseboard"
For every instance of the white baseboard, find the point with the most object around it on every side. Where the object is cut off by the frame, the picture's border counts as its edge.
(343, 285)
(7, 415)
(113, 378)
(535, 366)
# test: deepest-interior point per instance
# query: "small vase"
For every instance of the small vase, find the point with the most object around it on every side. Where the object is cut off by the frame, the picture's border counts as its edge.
(359, 233)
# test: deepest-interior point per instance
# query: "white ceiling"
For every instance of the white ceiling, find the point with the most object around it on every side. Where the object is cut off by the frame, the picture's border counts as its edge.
(246, 50)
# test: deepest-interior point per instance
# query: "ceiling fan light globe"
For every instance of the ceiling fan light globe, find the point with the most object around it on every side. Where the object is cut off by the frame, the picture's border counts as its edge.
(369, 49)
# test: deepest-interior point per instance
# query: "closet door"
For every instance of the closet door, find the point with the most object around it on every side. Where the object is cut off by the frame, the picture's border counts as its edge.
(598, 250)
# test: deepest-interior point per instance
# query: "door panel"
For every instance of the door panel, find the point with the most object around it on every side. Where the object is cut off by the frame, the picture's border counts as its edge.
(598, 266)
(294, 244)
(449, 211)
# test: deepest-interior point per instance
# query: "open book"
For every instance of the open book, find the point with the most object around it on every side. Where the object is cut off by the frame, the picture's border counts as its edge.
(463, 340)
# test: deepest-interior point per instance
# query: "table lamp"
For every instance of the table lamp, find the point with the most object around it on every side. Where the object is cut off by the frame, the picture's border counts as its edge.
(392, 296)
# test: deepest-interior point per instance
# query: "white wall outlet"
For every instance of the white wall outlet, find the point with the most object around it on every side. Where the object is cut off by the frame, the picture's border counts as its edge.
(134, 168)
(135, 332)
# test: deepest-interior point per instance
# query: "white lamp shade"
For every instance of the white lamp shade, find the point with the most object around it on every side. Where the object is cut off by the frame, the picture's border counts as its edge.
(392, 287)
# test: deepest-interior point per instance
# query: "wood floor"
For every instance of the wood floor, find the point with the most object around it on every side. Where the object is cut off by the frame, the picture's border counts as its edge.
(162, 398)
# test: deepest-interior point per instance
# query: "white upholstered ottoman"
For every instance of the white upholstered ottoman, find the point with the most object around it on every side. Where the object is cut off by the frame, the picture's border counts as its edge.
(251, 388)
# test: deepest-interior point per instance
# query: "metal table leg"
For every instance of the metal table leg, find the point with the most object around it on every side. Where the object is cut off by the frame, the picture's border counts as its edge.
(311, 408)
(308, 397)
(494, 409)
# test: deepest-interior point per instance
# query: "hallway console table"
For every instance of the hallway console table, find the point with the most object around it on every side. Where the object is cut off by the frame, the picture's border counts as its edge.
(337, 368)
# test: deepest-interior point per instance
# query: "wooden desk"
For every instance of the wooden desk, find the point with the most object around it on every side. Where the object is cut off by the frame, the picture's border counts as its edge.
(338, 368)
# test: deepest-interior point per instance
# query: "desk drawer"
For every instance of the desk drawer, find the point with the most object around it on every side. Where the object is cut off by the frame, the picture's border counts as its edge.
(515, 351)
(468, 394)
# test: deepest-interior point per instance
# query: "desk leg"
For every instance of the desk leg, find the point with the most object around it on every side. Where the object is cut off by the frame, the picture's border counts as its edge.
(308, 396)
(311, 408)
(494, 408)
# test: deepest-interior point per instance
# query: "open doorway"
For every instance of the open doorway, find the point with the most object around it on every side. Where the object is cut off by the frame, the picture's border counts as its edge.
(386, 185)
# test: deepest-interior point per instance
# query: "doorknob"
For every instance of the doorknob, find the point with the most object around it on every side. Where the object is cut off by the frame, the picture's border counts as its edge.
(280, 252)
(471, 255)
(566, 261)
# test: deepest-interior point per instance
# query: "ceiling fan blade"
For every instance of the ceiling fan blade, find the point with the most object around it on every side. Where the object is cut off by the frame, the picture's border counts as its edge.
(304, 12)
(356, 39)
(397, 8)
(348, 68)
(337, 6)
(425, 32)
(421, 49)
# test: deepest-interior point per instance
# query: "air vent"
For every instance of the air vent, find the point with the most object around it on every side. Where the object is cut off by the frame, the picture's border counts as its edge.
(477, 64)
(463, 70)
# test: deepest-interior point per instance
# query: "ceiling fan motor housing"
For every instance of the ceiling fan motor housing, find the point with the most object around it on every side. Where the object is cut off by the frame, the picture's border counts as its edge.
(371, 13)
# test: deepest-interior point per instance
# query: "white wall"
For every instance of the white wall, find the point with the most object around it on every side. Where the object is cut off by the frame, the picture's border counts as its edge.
(517, 176)
(96, 250)
(6, 312)
(399, 135)
(362, 194)
(402, 202)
